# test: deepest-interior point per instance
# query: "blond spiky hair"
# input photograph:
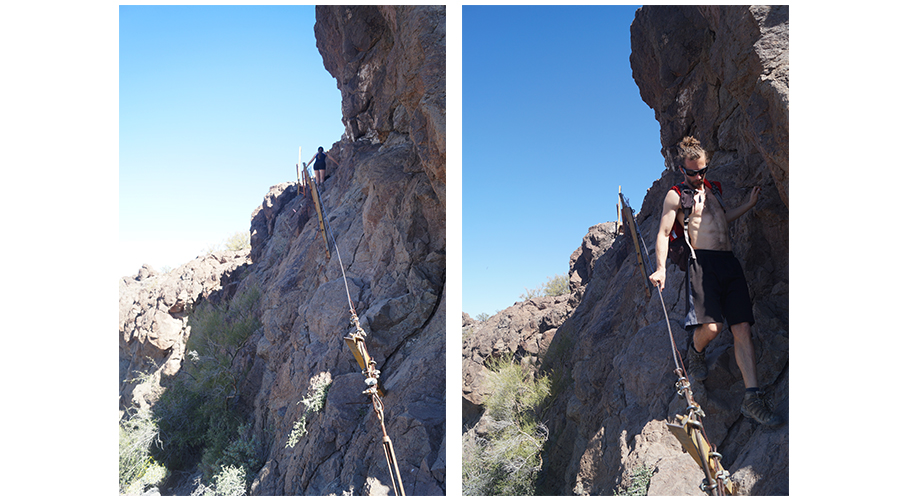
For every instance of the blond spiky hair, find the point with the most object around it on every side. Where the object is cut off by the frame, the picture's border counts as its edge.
(689, 149)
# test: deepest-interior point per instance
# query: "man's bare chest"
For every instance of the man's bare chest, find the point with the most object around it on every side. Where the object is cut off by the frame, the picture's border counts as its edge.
(707, 225)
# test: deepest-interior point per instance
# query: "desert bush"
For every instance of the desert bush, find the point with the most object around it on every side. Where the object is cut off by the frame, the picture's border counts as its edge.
(217, 335)
(312, 403)
(477, 479)
(230, 481)
(243, 451)
(238, 241)
(137, 469)
(507, 460)
(531, 293)
(553, 287)
(198, 418)
(637, 482)
(556, 286)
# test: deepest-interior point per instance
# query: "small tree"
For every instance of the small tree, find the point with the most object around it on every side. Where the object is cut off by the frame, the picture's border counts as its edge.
(238, 241)
(553, 287)
(557, 285)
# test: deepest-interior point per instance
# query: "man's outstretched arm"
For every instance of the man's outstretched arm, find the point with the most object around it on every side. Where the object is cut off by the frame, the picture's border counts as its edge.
(666, 220)
(736, 212)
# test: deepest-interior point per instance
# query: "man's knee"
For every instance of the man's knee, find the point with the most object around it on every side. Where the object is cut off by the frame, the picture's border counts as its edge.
(741, 332)
(705, 333)
(712, 329)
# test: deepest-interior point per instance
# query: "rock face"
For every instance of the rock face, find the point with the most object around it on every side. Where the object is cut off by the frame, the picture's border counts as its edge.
(391, 71)
(720, 74)
(525, 329)
(385, 211)
(153, 319)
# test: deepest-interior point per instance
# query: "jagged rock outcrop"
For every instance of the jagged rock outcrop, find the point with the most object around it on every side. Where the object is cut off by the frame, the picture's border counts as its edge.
(720, 74)
(386, 213)
(154, 308)
(525, 330)
(583, 261)
(391, 71)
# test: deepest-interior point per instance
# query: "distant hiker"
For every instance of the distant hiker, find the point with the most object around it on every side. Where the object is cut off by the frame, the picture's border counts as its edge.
(717, 289)
(319, 165)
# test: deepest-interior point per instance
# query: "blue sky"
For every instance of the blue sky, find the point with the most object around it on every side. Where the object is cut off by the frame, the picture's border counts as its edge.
(552, 125)
(214, 104)
(215, 101)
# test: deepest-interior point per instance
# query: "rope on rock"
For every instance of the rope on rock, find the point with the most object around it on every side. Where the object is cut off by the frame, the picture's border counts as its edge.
(356, 341)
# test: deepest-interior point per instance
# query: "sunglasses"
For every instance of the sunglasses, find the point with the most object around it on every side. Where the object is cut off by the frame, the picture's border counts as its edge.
(692, 173)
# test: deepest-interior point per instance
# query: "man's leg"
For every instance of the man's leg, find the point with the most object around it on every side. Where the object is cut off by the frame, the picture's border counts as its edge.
(753, 406)
(744, 353)
(696, 356)
(705, 333)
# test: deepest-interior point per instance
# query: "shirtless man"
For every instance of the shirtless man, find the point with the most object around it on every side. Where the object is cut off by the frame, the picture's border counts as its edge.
(723, 295)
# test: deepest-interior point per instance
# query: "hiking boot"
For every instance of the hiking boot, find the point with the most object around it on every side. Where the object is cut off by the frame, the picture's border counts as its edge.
(696, 364)
(756, 407)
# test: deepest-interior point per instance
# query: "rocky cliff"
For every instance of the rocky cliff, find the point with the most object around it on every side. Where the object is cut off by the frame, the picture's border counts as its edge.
(385, 208)
(720, 74)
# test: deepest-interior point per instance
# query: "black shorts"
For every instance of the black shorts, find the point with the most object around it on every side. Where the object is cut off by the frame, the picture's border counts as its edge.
(717, 290)
(319, 165)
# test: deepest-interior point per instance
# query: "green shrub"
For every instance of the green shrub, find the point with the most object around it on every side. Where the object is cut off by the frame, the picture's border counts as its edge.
(515, 392)
(483, 316)
(137, 469)
(244, 450)
(182, 416)
(238, 241)
(217, 335)
(553, 287)
(198, 419)
(531, 293)
(507, 460)
(312, 403)
(478, 476)
(637, 483)
(556, 286)
(230, 481)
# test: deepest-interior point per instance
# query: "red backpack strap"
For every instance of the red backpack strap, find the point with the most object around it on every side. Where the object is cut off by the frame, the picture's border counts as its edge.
(677, 229)
(714, 185)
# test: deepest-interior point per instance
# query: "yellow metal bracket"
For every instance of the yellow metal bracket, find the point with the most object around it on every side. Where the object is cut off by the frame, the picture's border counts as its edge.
(689, 433)
(356, 341)
(314, 189)
(358, 348)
